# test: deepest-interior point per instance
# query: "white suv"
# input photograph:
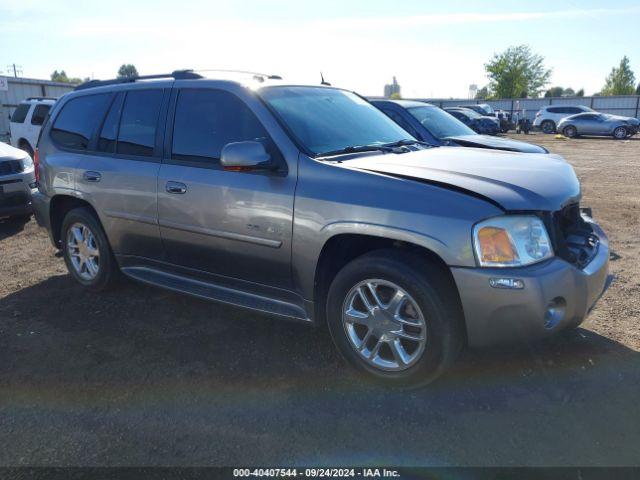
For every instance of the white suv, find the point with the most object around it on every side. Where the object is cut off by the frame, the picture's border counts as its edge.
(547, 118)
(27, 120)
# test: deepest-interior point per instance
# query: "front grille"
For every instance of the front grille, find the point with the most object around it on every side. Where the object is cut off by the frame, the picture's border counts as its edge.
(573, 238)
(10, 167)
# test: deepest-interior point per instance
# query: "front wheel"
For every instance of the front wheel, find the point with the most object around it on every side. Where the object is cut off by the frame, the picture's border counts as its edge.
(86, 250)
(394, 317)
(620, 133)
(570, 131)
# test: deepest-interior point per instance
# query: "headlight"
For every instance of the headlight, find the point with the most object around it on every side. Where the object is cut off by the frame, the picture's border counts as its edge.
(27, 164)
(511, 241)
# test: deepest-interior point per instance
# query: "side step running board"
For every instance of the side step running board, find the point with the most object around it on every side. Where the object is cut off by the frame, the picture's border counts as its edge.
(216, 293)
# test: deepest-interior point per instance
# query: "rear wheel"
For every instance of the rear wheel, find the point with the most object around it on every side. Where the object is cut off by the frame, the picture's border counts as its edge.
(87, 252)
(548, 126)
(570, 131)
(394, 317)
(620, 133)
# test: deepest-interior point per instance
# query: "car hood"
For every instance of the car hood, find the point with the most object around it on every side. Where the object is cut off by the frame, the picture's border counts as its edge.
(7, 152)
(514, 181)
(498, 143)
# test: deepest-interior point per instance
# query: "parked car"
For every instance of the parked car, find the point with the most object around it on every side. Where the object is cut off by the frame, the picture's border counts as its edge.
(308, 203)
(483, 109)
(475, 121)
(17, 181)
(599, 124)
(431, 124)
(27, 120)
(548, 117)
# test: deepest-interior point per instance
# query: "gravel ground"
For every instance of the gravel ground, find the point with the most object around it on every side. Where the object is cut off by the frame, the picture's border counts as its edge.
(141, 376)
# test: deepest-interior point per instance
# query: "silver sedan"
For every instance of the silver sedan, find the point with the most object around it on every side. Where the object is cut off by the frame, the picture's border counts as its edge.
(599, 124)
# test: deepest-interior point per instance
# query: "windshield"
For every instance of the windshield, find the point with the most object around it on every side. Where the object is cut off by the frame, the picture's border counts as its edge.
(328, 119)
(470, 113)
(440, 123)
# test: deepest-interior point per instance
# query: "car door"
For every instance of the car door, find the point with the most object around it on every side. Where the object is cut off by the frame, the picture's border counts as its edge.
(38, 115)
(117, 172)
(587, 123)
(17, 123)
(235, 224)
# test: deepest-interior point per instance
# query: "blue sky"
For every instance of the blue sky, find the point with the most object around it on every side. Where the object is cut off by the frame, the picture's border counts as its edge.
(435, 48)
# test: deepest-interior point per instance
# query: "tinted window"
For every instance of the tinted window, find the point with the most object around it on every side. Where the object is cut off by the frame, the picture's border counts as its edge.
(78, 120)
(440, 123)
(20, 113)
(328, 119)
(555, 110)
(138, 122)
(109, 132)
(396, 117)
(206, 120)
(39, 114)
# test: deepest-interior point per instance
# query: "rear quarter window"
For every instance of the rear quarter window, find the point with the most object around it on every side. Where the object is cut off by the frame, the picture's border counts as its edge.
(39, 114)
(20, 113)
(78, 120)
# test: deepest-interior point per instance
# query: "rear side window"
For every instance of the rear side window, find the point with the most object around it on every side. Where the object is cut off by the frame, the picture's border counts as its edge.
(555, 110)
(109, 132)
(75, 124)
(206, 120)
(39, 114)
(138, 122)
(20, 113)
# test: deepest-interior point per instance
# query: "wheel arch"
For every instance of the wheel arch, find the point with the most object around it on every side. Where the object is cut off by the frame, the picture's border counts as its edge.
(343, 247)
(59, 206)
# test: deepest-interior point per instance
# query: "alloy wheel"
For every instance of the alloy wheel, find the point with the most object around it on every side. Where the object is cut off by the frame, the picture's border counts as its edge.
(384, 325)
(83, 251)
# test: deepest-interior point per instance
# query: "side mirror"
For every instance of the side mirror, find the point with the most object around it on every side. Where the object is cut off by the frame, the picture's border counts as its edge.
(245, 156)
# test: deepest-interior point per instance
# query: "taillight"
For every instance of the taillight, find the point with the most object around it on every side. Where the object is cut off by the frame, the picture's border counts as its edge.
(36, 165)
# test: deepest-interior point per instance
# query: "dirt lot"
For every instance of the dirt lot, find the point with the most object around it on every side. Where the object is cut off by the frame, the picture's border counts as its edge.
(140, 376)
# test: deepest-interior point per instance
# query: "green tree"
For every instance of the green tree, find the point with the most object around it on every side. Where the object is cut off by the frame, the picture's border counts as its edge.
(580, 93)
(638, 89)
(554, 92)
(395, 96)
(517, 72)
(61, 76)
(621, 80)
(482, 94)
(568, 92)
(127, 70)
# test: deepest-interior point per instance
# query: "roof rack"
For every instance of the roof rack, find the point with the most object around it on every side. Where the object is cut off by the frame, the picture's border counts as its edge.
(260, 77)
(176, 75)
(40, 98)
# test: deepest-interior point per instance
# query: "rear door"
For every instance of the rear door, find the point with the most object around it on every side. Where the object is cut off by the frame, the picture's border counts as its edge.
(229, 223)
(38, 115)
(118, 166)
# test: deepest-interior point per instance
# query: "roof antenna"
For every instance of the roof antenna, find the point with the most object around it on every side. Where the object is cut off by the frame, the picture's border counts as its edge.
(322, 80)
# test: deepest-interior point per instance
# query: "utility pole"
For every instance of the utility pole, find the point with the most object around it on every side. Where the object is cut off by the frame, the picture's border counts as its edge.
(15, 68)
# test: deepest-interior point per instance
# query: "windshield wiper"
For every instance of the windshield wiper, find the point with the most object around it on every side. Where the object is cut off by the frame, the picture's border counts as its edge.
(407, 141)
(358, 149)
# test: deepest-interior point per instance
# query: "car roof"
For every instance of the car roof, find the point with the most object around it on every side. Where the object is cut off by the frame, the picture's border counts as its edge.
(403, 103)
(48, 100)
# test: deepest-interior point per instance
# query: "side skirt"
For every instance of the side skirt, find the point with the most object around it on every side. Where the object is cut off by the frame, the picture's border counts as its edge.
(217, 291)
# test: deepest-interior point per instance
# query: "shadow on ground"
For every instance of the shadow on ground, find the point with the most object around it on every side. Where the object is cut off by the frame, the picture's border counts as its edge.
(140, 376)
(11, 226)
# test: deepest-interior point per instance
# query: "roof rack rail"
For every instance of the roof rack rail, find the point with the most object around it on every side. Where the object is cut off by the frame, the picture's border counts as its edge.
(176, 75)
(260, 77)
(41, 98)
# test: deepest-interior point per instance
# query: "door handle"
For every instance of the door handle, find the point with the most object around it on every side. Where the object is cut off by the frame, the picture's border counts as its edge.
(176, 187)
(90, 176)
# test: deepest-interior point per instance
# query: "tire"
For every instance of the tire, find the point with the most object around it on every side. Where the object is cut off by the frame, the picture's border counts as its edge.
(548, 126)
(24, 146)
(570, 131)
(620, 133)
(429, 295)
(98, 275)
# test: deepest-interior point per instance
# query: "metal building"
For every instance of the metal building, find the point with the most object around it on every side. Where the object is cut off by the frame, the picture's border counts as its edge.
(14, 90)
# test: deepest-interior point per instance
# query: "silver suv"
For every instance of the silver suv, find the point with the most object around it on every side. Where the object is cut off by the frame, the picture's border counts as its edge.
(308, 203)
